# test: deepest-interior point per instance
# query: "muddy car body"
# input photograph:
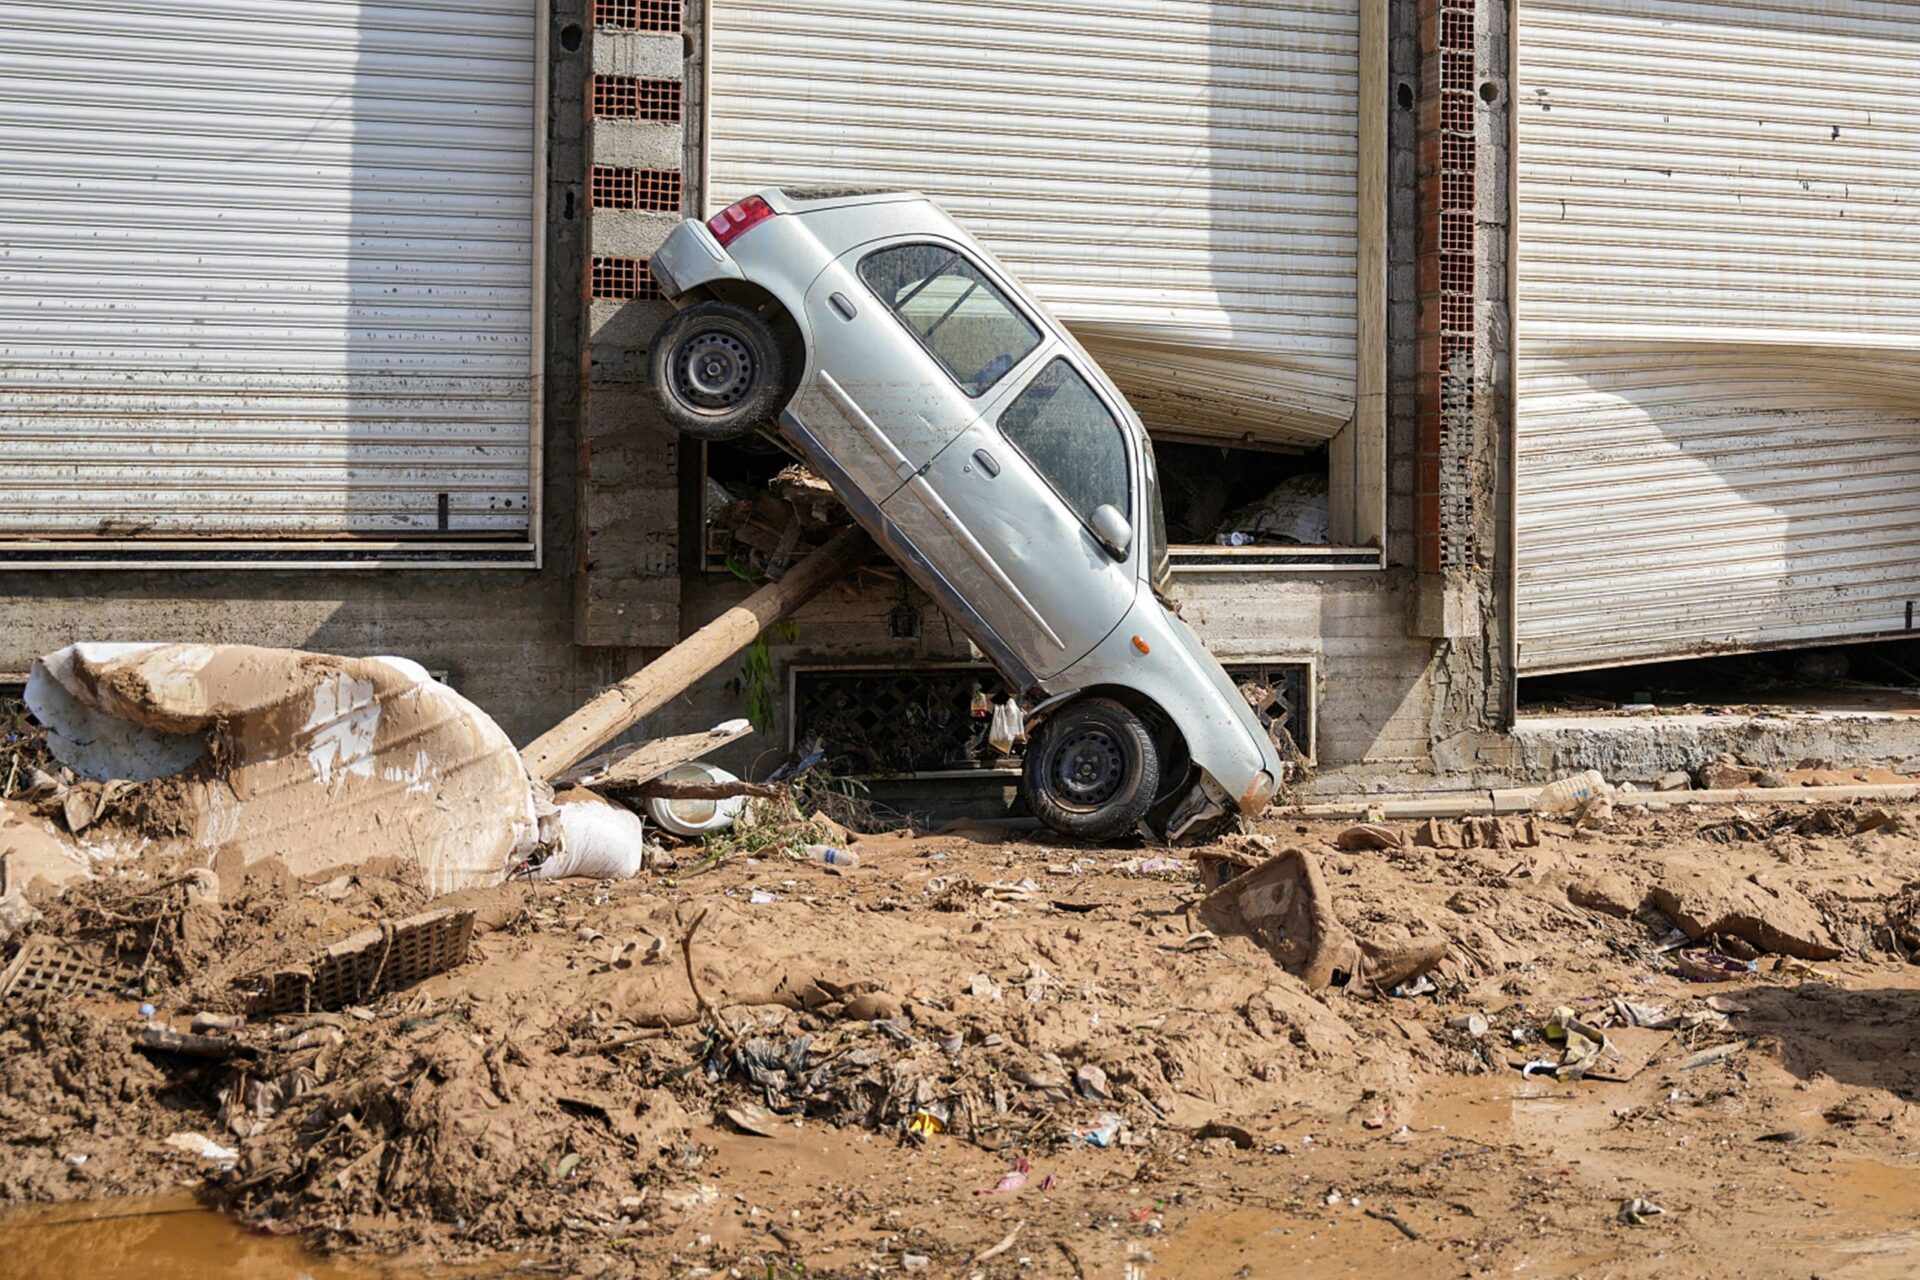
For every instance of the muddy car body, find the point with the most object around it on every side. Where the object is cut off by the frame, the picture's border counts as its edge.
(986, 451)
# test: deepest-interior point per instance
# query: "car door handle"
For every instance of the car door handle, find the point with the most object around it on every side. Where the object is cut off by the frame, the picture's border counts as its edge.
(839, 303)
(987, 464)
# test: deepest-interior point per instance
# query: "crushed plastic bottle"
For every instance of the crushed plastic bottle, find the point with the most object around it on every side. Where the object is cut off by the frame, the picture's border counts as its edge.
(1565, 795)
(833, 857)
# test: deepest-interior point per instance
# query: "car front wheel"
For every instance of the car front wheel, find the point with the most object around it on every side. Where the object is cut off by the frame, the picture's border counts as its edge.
(717, 371)
(1092, 770)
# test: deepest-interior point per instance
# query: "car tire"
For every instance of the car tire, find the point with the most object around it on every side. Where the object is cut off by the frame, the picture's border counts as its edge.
(1092, 770)
(717, 371)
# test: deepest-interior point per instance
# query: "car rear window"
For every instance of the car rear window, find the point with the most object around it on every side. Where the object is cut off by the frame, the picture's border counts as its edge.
(961, 319)
(1061, 427)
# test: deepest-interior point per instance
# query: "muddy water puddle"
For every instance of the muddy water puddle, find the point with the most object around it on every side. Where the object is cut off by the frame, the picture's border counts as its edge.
(168, 1238)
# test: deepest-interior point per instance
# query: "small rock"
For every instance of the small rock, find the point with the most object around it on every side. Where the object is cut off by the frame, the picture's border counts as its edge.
(1610, 892)
(1092, 1082)
(872, 1006)
(1726, 774)
(1675, 781)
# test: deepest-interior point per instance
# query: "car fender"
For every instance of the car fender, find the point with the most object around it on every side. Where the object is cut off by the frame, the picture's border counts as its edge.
(690, 259)
(1156, 655)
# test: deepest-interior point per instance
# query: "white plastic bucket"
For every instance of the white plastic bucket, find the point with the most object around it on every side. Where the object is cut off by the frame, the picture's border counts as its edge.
(695, 817)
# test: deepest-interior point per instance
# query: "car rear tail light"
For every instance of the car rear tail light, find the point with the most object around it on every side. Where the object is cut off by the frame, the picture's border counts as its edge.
(737, 219)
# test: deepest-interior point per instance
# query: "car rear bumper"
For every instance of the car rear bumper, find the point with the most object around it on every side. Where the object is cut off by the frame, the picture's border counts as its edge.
(690, 258)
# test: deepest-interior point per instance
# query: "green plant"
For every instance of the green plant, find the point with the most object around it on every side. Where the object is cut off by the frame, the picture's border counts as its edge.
(778, 827)
(755, 683)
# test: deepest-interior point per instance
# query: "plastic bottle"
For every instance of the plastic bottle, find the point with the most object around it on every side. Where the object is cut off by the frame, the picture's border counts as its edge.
(1567, 794)
(833, 857)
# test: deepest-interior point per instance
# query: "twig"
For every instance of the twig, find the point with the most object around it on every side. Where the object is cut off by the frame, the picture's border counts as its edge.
(1005, 1244)
(1072, 1258)
(621, 1042)
(700, 1001)
(1395, 1221)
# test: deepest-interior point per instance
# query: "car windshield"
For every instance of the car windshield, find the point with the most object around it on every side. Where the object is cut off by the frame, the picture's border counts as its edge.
(1159, 562)
(962, 320)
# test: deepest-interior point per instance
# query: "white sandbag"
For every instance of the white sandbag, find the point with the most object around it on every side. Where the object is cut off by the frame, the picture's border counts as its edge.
(596, 842)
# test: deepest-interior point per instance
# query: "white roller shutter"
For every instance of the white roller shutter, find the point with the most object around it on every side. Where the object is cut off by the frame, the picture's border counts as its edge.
(1718, 326)
(268, 267)
(1175, 178)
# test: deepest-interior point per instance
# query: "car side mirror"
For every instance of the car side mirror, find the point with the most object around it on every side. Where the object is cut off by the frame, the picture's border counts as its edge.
(1115, 534)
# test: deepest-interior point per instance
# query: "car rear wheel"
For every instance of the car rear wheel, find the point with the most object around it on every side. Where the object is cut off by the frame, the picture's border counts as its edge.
(1092, 770)
(717, 371)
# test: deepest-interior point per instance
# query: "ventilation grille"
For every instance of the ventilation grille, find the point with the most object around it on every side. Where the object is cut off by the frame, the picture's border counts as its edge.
(900, 721)
(1281, 695)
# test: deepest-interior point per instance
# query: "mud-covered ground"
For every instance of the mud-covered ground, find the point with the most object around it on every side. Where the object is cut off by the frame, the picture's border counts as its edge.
(965, 1057)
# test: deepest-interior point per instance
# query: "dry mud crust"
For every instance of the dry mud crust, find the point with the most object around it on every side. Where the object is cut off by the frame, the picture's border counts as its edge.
(566, 1096)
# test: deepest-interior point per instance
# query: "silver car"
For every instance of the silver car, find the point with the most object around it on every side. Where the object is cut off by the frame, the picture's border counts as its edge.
(984, 449)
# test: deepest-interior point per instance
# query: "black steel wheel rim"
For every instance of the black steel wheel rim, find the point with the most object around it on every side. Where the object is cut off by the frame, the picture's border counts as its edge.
(713, 370)
(1088, 767)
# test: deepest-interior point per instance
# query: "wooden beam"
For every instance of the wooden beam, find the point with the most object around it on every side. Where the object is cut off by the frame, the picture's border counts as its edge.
(619, 708)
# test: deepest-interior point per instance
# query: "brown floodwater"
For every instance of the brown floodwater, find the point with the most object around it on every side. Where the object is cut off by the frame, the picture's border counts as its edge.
(170, 1238)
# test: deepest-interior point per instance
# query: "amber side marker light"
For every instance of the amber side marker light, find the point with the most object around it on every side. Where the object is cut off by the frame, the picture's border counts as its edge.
(1141, 645)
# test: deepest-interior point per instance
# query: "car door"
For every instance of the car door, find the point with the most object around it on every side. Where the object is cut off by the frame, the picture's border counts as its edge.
(908, 337)
(1005, 509)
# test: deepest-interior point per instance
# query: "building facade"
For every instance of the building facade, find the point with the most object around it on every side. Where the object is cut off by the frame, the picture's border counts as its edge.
(331, 321)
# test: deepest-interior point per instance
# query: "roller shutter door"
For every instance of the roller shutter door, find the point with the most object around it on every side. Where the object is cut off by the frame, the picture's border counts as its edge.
(268, 268)
(1175, 178)
(1718, 326)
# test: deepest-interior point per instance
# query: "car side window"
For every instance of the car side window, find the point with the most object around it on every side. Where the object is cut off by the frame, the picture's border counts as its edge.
(1061, 427)
(961, 319)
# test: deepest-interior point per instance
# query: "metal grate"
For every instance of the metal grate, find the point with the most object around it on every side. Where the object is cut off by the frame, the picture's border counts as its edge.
(647, 190)
(659, 16)
(47, 964)
(384, 958)
(621, 278)
(1281, 696)
(898, 720)
(632, 98)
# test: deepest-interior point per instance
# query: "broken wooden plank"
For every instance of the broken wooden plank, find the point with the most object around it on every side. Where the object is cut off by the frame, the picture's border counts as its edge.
(660, 789)
(619, 708)
(651, 759)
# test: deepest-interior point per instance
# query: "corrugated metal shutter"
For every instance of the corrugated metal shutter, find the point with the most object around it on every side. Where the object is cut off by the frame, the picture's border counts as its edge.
(1176, 178)
(268, 267)
(1718, 325)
